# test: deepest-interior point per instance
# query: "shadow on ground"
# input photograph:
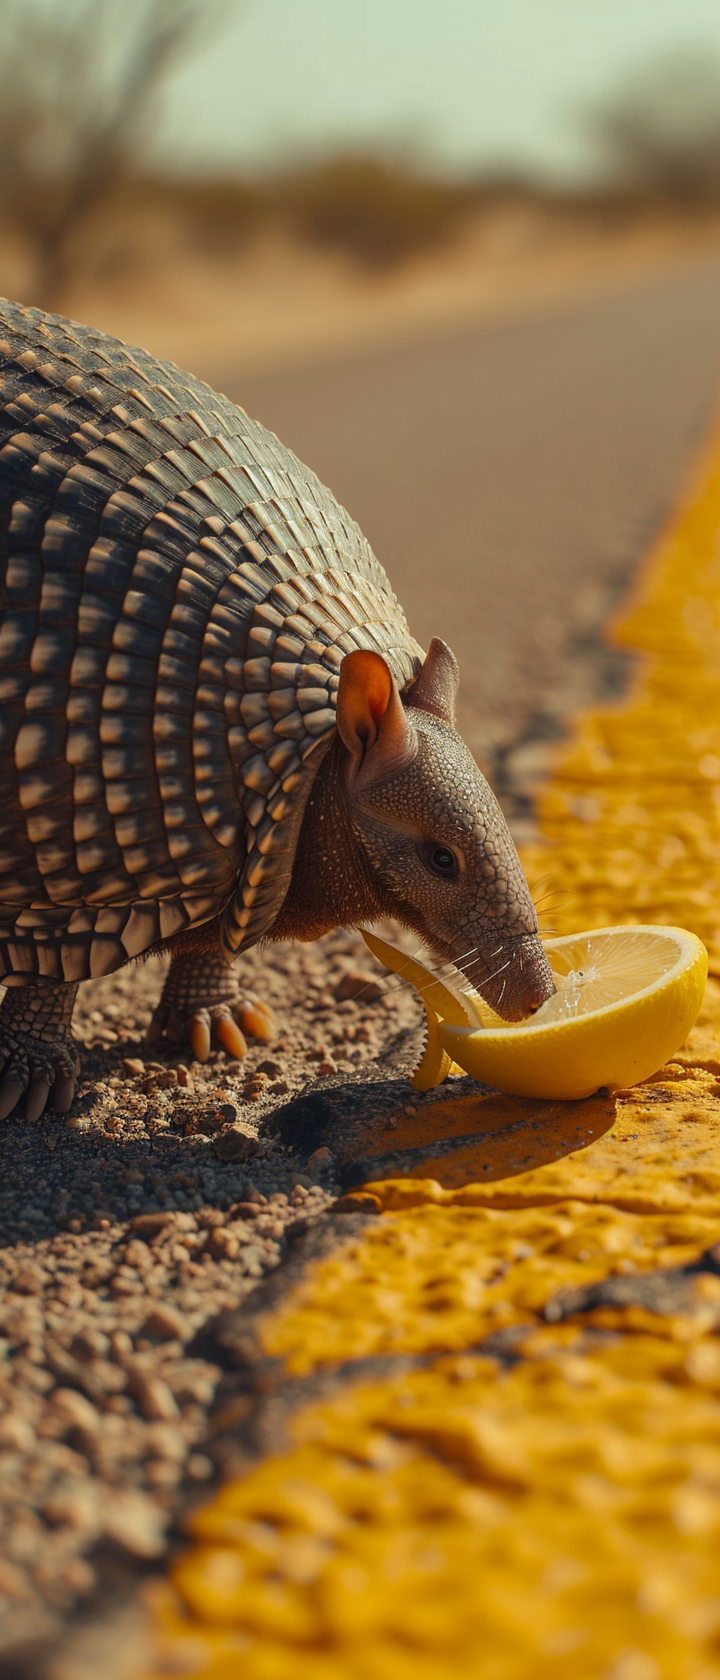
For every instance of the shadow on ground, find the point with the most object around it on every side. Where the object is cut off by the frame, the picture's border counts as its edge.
(463, 1134)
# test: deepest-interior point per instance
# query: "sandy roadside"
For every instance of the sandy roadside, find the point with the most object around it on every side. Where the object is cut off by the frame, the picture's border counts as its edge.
(279, 304)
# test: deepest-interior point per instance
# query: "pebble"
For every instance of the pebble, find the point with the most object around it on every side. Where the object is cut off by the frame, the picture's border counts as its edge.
(321, 1160)
(165, 1324)
(136, 1523)
(355, 983)
(232, 1144)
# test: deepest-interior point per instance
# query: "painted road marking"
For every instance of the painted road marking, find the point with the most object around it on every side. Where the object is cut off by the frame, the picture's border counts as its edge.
(533, 1476)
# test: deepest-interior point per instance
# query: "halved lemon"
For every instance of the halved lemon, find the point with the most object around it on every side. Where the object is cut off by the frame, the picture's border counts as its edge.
(625, 1002)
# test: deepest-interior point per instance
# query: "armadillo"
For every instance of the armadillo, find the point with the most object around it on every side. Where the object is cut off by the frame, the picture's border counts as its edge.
(216, 727)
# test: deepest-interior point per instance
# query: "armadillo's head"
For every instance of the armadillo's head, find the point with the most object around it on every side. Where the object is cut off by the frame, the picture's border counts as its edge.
(433, 834)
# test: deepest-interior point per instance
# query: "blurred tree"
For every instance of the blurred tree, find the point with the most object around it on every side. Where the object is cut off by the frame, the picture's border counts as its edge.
(660, 133)
(79, 85)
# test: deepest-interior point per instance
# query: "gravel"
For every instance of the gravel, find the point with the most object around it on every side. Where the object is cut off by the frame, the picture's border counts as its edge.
(161, 1200)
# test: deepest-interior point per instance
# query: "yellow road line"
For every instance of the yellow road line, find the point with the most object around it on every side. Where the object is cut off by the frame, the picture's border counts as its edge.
(564, 1510)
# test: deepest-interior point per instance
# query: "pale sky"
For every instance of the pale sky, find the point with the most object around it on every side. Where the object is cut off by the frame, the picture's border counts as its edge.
(469, 81)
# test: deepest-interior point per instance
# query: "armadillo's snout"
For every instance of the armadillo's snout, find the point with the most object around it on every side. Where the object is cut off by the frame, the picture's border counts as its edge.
(524, 983)
(534, 997)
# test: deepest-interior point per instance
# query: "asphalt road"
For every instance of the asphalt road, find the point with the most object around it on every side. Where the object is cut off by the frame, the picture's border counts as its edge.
(510, 477)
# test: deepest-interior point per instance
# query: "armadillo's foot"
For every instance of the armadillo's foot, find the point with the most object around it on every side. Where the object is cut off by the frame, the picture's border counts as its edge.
(202, 1002)
(37, 1052)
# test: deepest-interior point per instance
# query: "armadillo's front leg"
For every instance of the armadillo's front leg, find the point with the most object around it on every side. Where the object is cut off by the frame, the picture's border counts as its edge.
(37, 1051)
(202, 1000)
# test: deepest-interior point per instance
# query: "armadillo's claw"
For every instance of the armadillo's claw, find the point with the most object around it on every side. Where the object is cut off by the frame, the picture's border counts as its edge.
(46, 1072)
(199, 1034)
(228, 1032)
(11, 1091)
(37, 1096)
(258, 1019)
(63, 1091)
(206, 1025)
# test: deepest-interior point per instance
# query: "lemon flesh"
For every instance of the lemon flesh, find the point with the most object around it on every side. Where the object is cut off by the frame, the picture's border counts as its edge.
(625, 1002)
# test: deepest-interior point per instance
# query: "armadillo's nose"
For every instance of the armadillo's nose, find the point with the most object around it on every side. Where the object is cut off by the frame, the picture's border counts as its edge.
(540, 989)
(518, 990)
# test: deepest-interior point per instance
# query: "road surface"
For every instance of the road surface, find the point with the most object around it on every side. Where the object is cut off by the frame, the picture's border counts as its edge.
(510, 477)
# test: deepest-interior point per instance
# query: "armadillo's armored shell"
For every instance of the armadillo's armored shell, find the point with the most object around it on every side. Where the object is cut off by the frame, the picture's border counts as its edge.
(179, 592)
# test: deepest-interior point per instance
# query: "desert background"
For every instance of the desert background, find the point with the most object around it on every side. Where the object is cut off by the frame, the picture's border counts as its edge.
(468, 272)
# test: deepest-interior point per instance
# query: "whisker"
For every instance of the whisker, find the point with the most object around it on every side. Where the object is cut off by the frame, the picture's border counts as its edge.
(488, 977)
(552, 892)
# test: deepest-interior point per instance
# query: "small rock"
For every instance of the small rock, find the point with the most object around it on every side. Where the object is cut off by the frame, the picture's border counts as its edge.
(90, 1344)
(199, 1467)
(122, 1287)
(78, 1507)
(121, 1345)
(133, 1064)
(153, 1396)
(12, 1580)
(27, 1280)
(167, 1441)
(320, 1160)
(135, 1522)
(223, 1244)
(165, 1324)
(208, 1217)
(234, 1145)
(76, 1410)
(327, 1067)
(355, 984)
(151, 1224)
(16, 1433)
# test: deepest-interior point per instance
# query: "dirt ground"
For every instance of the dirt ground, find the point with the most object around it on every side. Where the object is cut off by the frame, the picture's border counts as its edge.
(161, 1200)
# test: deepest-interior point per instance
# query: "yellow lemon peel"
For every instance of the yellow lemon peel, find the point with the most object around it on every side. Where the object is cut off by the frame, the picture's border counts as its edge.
(627, 999)
(439, 1004)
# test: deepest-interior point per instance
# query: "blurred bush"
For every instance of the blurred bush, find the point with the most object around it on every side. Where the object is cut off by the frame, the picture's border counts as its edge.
(378, 211)
(219, 216)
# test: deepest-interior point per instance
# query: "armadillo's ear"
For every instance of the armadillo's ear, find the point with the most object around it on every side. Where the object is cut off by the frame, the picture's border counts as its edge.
(436, 684)
(371, 718)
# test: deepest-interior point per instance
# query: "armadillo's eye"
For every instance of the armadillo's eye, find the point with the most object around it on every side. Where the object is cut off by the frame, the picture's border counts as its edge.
(440, 860)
